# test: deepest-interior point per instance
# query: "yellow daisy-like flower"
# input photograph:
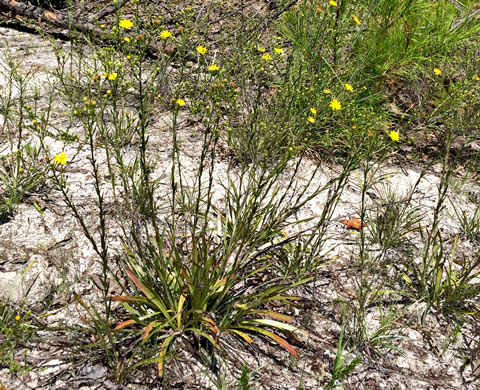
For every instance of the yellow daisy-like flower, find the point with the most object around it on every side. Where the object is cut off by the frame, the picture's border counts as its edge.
(475, 77)
(213, 68)
(438, 72)
(356, 20)
(348, 87)
(165, 34)
(17, 318)
(313, 111)
(261, 49)
(333, 3)
(394, 136)
(61, 158)
(335, 104)
(326, 91)
(126, 39)
(278, 51)
(202, 50)
(180, 102)
(112, 76)
(266, 57)
(311, 119)
(126, 24)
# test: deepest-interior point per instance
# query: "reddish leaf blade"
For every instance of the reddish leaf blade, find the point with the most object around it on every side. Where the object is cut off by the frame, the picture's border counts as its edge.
(124, 323)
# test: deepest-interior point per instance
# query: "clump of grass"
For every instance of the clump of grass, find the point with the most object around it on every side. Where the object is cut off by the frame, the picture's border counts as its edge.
(15, 334)
(395, 219)
(22, 170)
(469, 223)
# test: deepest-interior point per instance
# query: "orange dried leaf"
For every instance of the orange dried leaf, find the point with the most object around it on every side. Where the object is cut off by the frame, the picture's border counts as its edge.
(148, 329)
(354, 223)
(137, 283)
(284, 344)
(124, 323)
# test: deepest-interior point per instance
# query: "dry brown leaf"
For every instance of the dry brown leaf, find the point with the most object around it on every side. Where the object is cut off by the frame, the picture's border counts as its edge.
(354, 223)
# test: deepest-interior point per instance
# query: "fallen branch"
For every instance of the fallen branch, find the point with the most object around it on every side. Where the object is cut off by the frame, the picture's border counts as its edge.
(65, 21)
(107, 11)
(42, 15)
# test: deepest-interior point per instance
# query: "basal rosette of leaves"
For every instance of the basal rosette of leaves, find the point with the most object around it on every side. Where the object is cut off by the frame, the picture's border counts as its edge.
(203, 296)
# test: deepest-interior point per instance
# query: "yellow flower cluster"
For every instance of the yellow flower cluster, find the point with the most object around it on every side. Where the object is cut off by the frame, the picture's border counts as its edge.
(61, 158)
(202, 50)
(165, 34)
(356, 20)
(126, 24)
(266, 57)
(311, 119)
(394, 136)
(335, 105)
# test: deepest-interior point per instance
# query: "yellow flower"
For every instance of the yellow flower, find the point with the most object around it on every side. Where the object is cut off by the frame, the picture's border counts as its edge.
(261, 49)
(333, 3)
(126, 39)
(165, 34)
(213, 68)
(266, 57)
(278, 51)
(61, 158)
(475, 77)
(201, 50)
(313, 111)
(348, 87)
(129, 57)
(394, 136)
(17, 317)
(326, 91)
(335, 104)
(126, 24)
(438, 72)
(311, 119)
(112, 76)
(180, 102)
(356, 20)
